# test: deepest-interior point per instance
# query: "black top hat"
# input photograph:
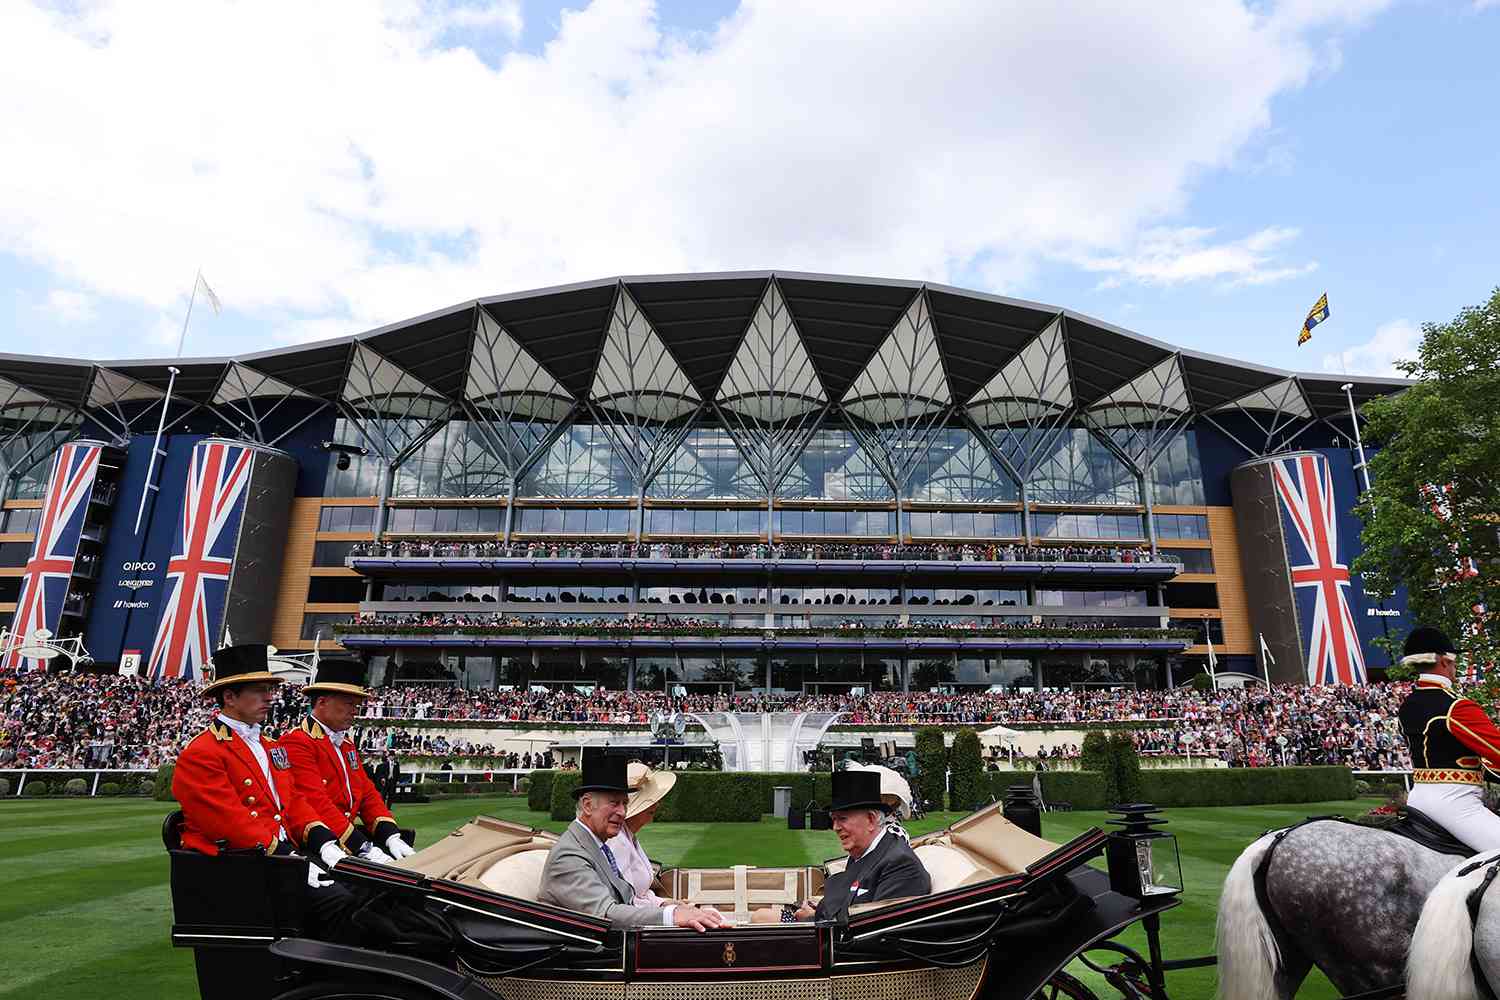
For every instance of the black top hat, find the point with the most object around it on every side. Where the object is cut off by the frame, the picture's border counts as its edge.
(1428, 643)
(856, 790)
(602, 772)
(234, 665)
(338, 675)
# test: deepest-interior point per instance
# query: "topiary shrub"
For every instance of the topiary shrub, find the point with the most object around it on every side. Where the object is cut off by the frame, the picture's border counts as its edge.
(427, 788)
(969, 790)
(4, 787)
(1126, 765)
(539, 793)
(146, 787)
(109, 788)
(161, 791)
(75, 786)
(563, 782)
(35, 789)
(1095, 756)
(932, 764)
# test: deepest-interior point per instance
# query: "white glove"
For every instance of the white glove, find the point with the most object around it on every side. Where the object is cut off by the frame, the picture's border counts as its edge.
(398, 848)
(331, 853)
(317, 878)
(372, 853)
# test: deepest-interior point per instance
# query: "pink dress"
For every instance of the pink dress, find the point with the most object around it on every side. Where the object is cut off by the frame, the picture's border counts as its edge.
(635, 867)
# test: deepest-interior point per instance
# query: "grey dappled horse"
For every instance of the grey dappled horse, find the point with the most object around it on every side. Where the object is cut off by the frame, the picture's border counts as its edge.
(1343, 897)
(1449, 934)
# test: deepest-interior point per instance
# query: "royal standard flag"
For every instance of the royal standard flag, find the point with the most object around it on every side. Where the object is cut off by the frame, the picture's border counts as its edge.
(1317, 315)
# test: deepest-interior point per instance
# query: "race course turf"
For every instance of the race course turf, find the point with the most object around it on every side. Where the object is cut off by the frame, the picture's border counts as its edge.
(85, 911)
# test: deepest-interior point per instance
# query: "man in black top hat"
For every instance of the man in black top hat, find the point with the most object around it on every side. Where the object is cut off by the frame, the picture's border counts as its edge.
(1452, 742)
(881, 863)
(582, 874)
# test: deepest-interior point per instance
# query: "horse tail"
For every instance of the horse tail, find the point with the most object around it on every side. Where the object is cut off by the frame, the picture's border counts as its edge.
(1437, 962)
(1249, 956)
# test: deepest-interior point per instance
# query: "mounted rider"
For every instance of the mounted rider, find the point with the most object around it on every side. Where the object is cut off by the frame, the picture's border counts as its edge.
(1453, 744)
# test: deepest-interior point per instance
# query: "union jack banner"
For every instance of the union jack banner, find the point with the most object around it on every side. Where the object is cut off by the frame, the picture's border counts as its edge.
(1304, 485)
(44, 586)
(202, 557)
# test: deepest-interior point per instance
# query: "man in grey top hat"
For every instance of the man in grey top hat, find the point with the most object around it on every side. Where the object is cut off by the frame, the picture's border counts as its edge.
(582, 874)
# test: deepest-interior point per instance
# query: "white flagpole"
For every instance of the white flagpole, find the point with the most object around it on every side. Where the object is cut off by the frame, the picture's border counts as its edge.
(1213, 662)
(155, 449)
(193, 297)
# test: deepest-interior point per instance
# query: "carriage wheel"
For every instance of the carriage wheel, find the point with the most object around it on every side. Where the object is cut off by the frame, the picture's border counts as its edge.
(1064, 987)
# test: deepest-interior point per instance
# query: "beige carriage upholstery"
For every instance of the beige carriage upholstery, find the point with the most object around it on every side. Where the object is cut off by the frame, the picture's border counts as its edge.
(492, 853)
(508, 858)
(737, 891)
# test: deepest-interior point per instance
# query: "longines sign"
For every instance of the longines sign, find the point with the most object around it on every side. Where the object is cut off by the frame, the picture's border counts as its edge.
(136, 584)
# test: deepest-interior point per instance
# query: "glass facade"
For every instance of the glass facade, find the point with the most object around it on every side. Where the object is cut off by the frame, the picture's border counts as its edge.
(445, 520)
(1177, 473)
(833, 466)
(347, 519)
(835, 522)
(706, 466)
(1179, 526)
(573, 521)
(963, 524)
(957, 468)
(1130, 527)
(704, 521)
(582, 462)
(1076, 467)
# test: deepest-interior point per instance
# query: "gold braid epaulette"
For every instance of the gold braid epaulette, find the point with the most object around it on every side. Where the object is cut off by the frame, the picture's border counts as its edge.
(1447, 776)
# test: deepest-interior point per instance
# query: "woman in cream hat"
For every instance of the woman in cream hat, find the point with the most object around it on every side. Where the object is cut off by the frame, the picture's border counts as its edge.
(647, 789)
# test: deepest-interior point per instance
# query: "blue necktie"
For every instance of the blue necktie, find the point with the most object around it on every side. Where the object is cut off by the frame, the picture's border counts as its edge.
(610, 857)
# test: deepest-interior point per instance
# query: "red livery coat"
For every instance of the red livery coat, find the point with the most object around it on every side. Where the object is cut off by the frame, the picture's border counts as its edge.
(226, 801)
(319, 772)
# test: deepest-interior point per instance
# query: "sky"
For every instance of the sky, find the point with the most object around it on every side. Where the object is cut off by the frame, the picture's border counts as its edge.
(1198, 173)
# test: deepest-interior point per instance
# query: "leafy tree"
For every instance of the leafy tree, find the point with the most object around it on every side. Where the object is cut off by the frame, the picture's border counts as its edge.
(1442, 433)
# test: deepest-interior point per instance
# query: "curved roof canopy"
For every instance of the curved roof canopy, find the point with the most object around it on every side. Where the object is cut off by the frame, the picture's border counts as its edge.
(760, 348)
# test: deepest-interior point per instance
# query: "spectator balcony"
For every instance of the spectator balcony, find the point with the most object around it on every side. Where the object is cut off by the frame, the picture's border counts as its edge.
(1076, 564)
(644, 634)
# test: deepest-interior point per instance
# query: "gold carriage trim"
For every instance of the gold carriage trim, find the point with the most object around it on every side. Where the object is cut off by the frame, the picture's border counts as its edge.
(1447, 776)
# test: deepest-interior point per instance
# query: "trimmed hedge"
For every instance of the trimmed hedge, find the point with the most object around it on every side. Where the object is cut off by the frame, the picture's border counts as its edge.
(539, 792)
(109, 788)
(75, 787)
(1246, 786)
(161, 791)
(1218, 786)
(35, 789)
(1080, 789)
(706, 796)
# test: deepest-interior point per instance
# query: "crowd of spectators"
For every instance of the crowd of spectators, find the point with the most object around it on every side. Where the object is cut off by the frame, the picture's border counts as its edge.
(50, 720)
(375, 621)
(95, 720)
(866, 551)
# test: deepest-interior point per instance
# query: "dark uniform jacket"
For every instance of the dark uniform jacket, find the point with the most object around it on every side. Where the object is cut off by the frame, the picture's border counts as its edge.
(319, 768)
(1451, 739)
(227, 803)
(889, 870)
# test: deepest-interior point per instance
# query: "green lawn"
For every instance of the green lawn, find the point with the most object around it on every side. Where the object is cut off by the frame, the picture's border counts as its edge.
(84, 909)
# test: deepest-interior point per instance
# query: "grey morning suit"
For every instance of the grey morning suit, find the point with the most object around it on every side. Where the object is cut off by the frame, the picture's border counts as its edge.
(578, 877)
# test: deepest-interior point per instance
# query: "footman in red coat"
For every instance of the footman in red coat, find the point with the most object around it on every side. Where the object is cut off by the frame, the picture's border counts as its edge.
(237, 791)
(326, 764)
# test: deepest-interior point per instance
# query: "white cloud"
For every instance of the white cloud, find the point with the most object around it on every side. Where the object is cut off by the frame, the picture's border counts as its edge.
(1177, 256)
(69, 307)
(339, 165)
(1392, 342)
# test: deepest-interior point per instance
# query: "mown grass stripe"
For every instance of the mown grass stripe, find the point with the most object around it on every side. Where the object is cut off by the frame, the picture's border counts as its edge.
(45, 946)
(30, 898)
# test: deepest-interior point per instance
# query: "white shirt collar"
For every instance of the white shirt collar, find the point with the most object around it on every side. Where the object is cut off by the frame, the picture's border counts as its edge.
(584, 827)
(1435, 679)
(872, 845)
(251, 733)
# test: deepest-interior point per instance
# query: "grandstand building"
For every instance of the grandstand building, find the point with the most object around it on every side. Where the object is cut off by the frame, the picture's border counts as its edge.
(740, 482)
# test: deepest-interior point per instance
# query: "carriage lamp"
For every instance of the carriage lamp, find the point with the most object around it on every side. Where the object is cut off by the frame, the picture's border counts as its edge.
(1143, 859)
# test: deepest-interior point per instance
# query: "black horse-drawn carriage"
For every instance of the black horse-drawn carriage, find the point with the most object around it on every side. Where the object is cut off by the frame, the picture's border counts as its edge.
(1008, 912)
